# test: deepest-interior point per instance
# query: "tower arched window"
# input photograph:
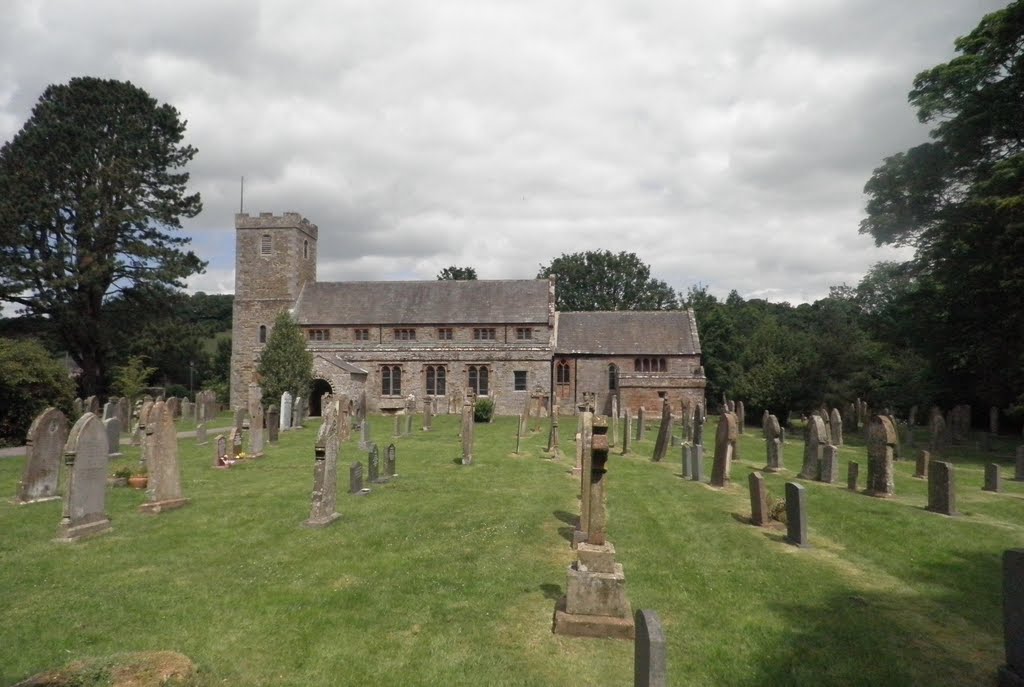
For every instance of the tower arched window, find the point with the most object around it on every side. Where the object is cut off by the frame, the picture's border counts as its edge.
(263, 333)
(613, 377)
(305, 249)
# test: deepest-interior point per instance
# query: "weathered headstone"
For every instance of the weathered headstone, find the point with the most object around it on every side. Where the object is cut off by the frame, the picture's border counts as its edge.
(44, 450)
(256, 432)
(941, 488)
(741, 416)
(697, 463)
(285, 411)
(373, 465)
(297, 406)
(390, 466)
(852, 475)
(585, 440)
(467, 433)
(91, 405)
(410, 417)
(324, 499)
(627, 433)
(993, 420)
(661, 444)
(650, 651)
(699, 418)
(112, 426)
(355, 478)
(684, 452)
(364, 434)
(578, 468)
(164, 489)
(921, 468)
(725, 449)
(881, 446)
(201, 438)
(77, 407)
(829, 464)
(1012, 674)
(85, 498)
(235, 443)
(773, 444)
(240, 417)
(613, 423)
(758, 500)
(993, 480)
(553, 437)
(796, 515)
(110, 409)
(220, 452)
(641, 423)
(397, 431)
(836, 427)
(814, 445)
(428, 414)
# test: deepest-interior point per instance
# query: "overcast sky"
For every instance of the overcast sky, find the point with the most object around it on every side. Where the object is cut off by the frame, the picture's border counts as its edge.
(726, 143)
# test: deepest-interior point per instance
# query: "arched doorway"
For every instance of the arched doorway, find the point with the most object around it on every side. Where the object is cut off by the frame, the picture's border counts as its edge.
(320, 387)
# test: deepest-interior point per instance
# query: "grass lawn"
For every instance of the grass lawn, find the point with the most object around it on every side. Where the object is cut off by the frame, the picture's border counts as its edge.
(449, 574)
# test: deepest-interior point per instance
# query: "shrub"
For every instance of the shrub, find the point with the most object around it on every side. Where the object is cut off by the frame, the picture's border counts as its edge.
(777, 509)
(483, 411)
(30, 380)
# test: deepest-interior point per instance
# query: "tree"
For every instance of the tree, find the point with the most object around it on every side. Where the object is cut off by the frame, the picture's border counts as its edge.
(285, 364)
(30, 380)
(602, 280)
(131, 378)
(91, 190)
(959, 201)
(456, 273)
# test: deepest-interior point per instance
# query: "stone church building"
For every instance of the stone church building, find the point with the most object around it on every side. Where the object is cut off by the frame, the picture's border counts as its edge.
(498, 338)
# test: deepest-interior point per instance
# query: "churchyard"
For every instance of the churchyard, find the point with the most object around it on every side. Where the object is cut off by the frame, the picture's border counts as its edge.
(449, 573)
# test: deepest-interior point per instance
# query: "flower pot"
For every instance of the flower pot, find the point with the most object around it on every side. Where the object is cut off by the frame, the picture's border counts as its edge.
(138, 482)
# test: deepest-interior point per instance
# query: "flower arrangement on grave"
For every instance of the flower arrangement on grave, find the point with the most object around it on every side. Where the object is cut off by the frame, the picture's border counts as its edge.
(139, 478)
(123, 472)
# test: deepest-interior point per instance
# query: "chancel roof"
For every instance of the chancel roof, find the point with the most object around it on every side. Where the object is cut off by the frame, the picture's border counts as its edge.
(628, 332)
(423, 302)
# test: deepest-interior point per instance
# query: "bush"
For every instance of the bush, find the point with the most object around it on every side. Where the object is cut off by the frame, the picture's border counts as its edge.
(777, 509)
(30, 380)
(483, 411)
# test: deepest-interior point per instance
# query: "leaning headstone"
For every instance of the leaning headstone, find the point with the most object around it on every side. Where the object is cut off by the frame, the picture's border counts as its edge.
(201, 439)
(814, 444)
(113, 428)
(881, 448)
(921, 468)
(725, 449)
(773, 444)
(85, 498)
(1012, 674)
(467, 433)
(993, 480)
(390, 468)
(286, 411)
(373, 460)
(650, 652)
(796, 515)
(836, 427)
(164, 489)
(613, 423)
(661, 444)
(758, 500)
(355, 478)
(110, 409)
(829, 464)
(273, 423)
(44, 449)
(941, 488)
(324, 499)
(852, 475)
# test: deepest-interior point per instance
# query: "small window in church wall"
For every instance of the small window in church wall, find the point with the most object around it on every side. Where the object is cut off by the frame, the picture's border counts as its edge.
(391, 380)
(319, 334)
(435, 380)
(361, 334)
(562, 373)
(519, 380)
(305, 249)
(478, 379)
(266, 244)
(263, 333)
(444, 334)
(613, 377)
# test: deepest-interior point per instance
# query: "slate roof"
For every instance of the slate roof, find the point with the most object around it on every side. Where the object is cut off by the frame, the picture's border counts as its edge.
(627, 332)
(343, 364)
(424, 302)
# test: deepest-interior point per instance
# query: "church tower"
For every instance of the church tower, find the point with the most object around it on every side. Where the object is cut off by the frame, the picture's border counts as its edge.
(275, 256)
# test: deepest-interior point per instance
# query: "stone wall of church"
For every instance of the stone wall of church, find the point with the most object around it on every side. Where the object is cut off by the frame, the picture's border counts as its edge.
(677, 381)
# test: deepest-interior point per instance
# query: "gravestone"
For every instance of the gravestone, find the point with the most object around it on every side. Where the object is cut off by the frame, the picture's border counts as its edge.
(110, 409)
(256, 432)
(285, 421)
(661, 444)
(725, 449)
(1012, 674)
(814, 445)
(273, 423)
(297, 406)
(627, 433)
(796, 515)
(112, 426)
(553, 438)
(355, 478)
(390, 467)
(187, 410)
(324, 499)
(685, 456)
(585, 443)
(124, 414)
(91, 405)
(613, 423)
(467, 433)
(428, 414)
(410, 418)
(921, 468)
(1018, 470)
(699, 417)
(941, 488)
(993, 480)
(852, 475)
(397, 431)
(364, 434)
(519, 436)
(829, 464)
(773, 444)
(881, 447)
(641, 424)
(77, 407)
(650, 651)
(993, 420)
(164, 488)
(836, 427)
(741, 416)
(758, 500)
(44, 449)
(577, 469)
(764, 423)
(373, 466)
(239, 420)
(595, 603)
(201, 438)
(85, 454)
(697, 463)
(234, 443)
(524, 420)
(144, 411)
(220, 452)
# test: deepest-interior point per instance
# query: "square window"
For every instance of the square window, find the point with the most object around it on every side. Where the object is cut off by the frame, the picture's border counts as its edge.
(405, 335)
(444, 334)
(524, 333)
(361, 334)
(484, 333)
(520, 380)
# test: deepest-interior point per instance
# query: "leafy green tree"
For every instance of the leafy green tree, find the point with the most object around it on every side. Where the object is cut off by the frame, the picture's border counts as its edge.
(958, 200)
(132, 378)
(285, 364)
(602, 280)
(456, 273)
(91, 191)
(30, 380)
